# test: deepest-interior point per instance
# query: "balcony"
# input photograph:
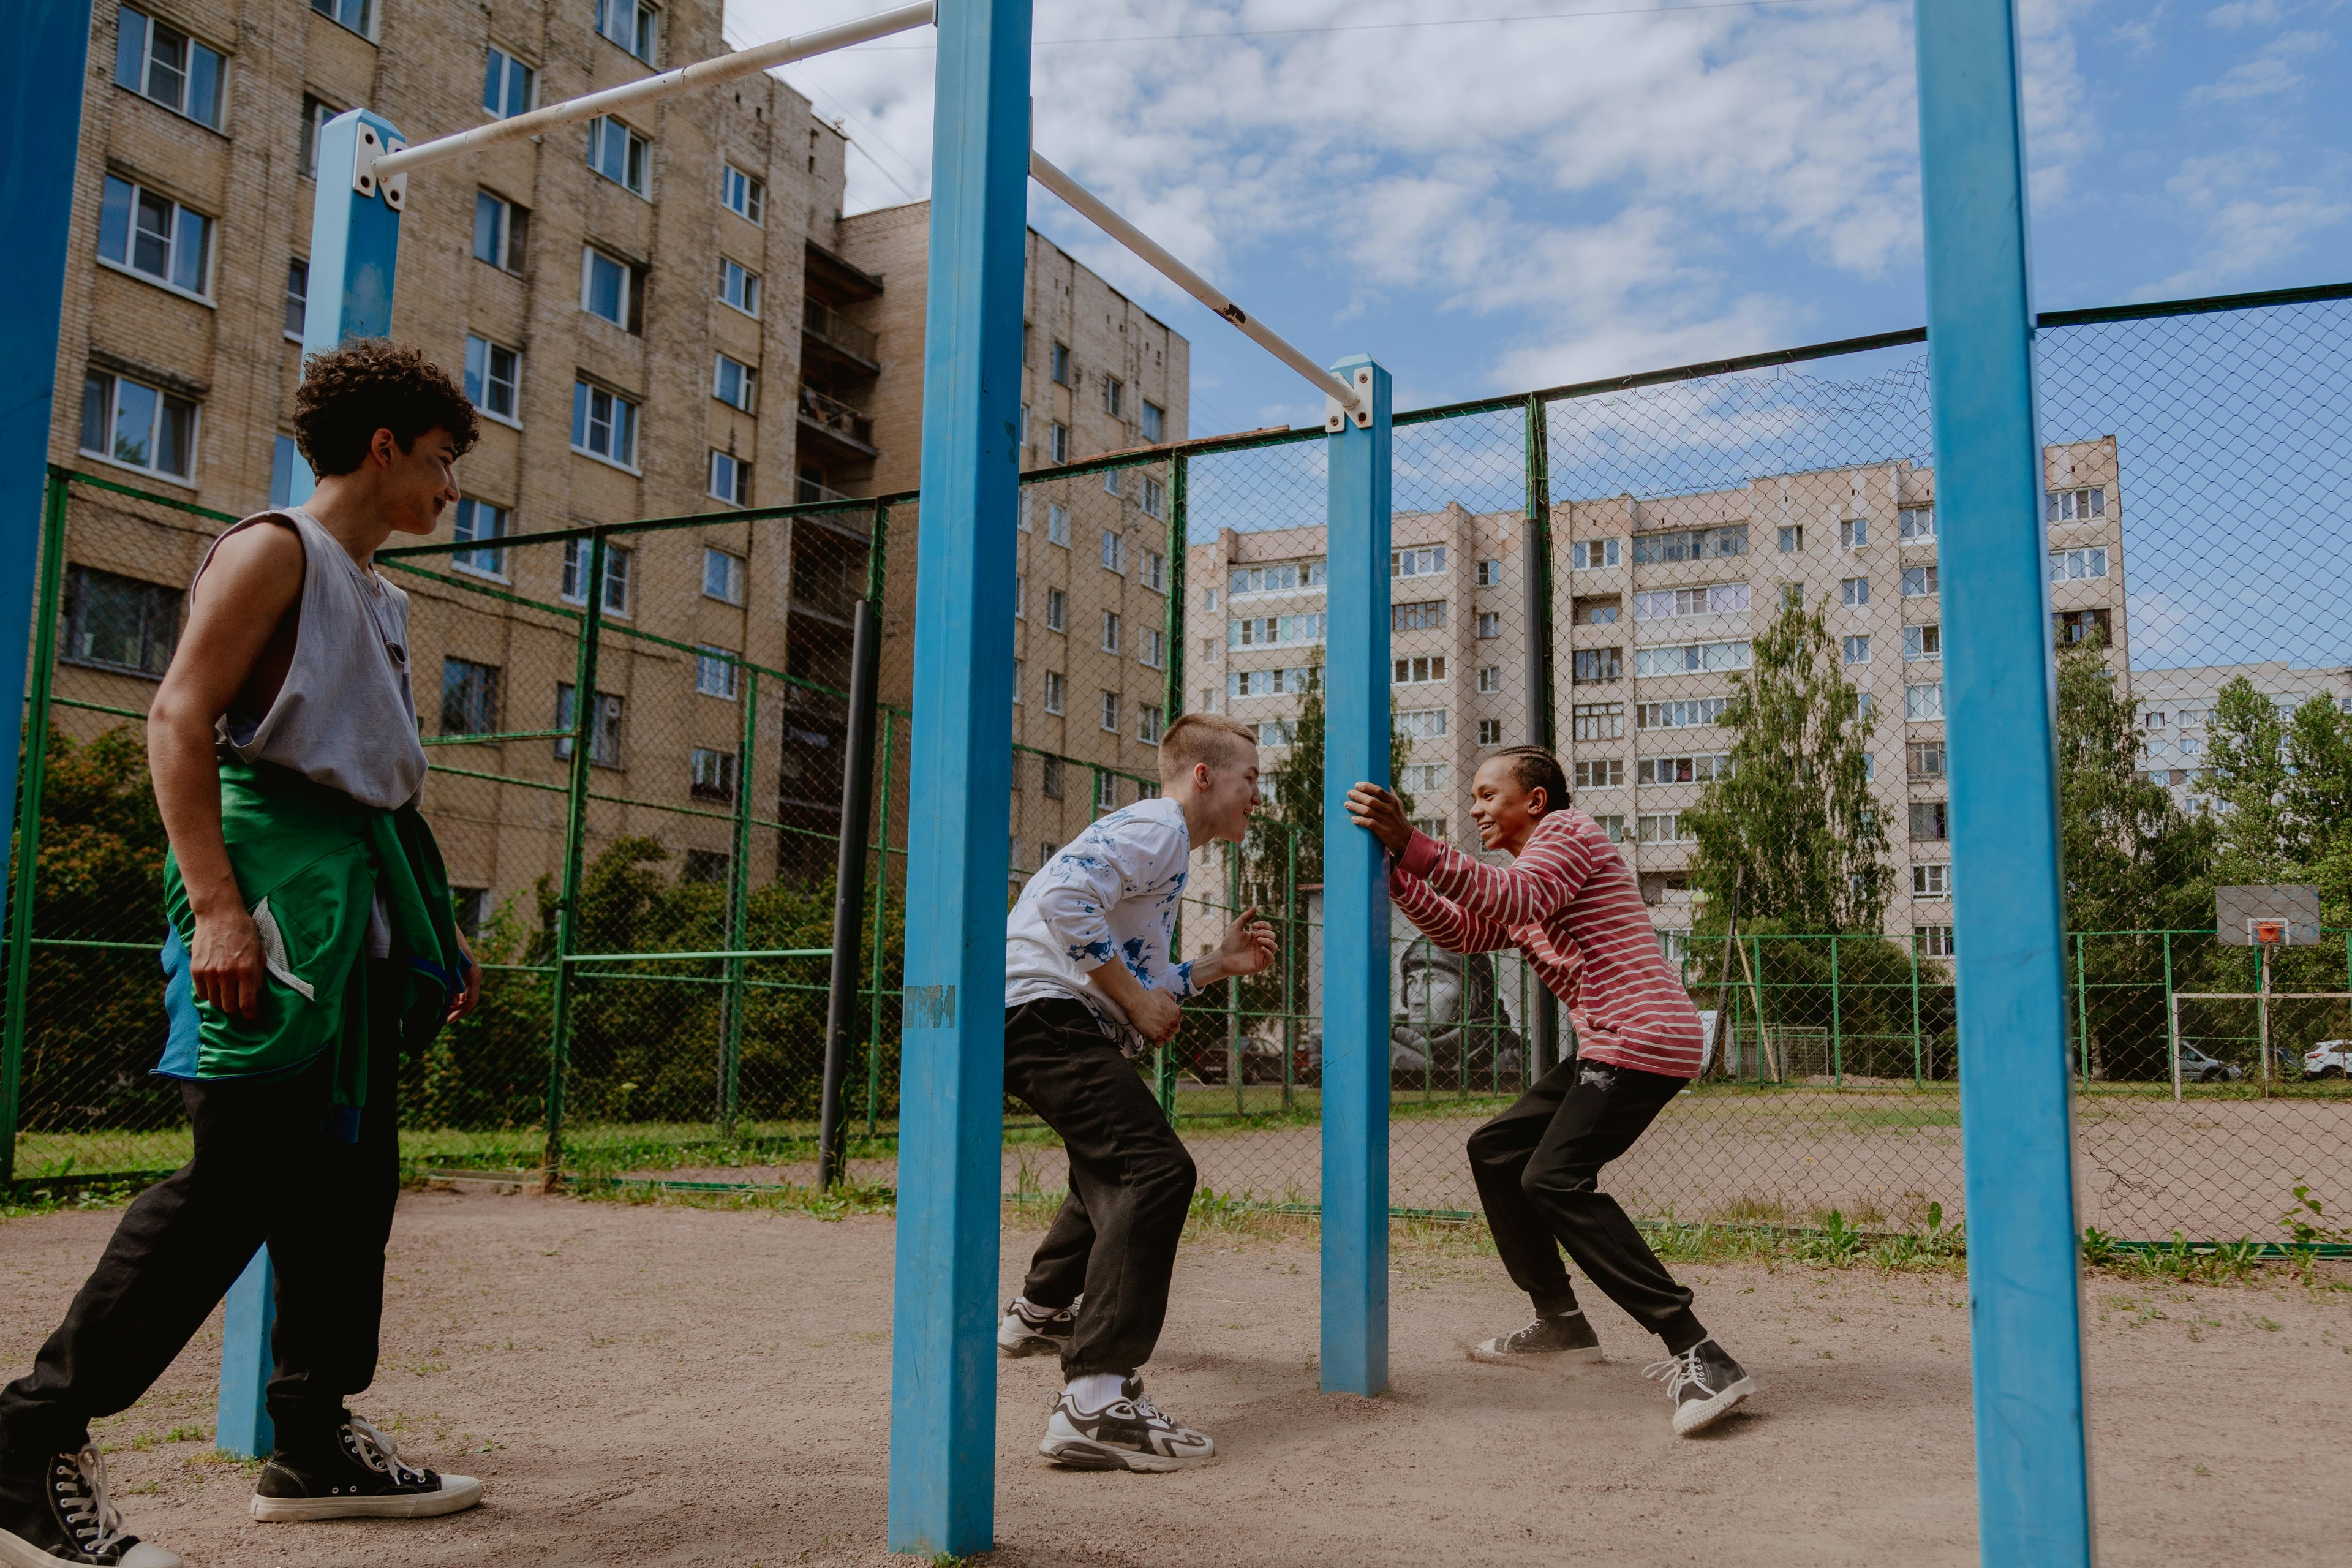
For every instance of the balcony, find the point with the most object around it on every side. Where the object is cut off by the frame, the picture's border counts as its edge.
(831, 336)
(807, 489)
(831, 418)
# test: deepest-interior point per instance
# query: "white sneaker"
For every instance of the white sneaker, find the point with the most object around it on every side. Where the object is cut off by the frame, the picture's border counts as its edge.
(1705, 1384)
(64, 1515)
(360, 1474)
(1130, 1432)
(1021, 1333)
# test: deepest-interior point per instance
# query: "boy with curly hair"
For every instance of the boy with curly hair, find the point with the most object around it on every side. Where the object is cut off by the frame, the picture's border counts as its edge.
(309, 941)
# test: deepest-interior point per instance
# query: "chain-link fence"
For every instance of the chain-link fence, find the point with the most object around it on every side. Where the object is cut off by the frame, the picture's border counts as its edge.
(1714, 592)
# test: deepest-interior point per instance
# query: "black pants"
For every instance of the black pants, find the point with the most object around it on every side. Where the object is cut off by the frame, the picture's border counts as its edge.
(264, 1170)
(1130, 1186)
(1539, 1166)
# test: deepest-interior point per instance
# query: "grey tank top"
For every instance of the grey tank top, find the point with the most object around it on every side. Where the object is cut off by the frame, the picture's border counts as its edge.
(345, 716)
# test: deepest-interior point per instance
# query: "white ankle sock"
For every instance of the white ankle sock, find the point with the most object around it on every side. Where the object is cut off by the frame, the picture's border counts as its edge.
(1095, 1390)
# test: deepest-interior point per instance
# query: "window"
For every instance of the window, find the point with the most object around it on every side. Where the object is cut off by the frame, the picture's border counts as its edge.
(139, 427)
(1490, 732)
(161, 62)
(1792, 537)
(1854, 591)
(1613, 826)
(1490, 677)
(508, 87)
(1061, 369)
(359, 15)
(1414, 671)
(735, 383)
(1430, 828)
(1596, 611)
(1417, 563)
(722, 575)
(1930, 819)
(499, 229)
(1155, 498)
(1421, 615)
(1019, 668)
(1857, 650)
(1915, 523)
(1020, 596)
(1932, 879)
(1598, 721)
(731, 478)
(1110, 631)
(1277, 579)
(493, 378)
(1422, 723)
(2072, 565)
(632, 23)
(1490, 623)
(1689, 713)
(1587, 553)
(1154, 652)
(479, 520)
(1722, 598)
(1922, 642)
(1050, 785)
(711, 775)
(738, 287)
(713, 866)
(315, 115)
(1603, 773)
(619, 154)
(298, 298)
(1056, 607)
(1490, 574)
(1918, 581)
(1154, 422)
(1114, 396)
(1705, 768)
(1276, 732)
(1060, 445)
(1690, 545)
(605, 736)
(1270, 630)
(1853, 534)
(2078, 506)
(616, 575)
(1208, 700)
(1924, 701)
(1869, 767)
(1792, 595)
(154, 238)
(1053, 705)
(1684, 658)
(1935, 941)
(1155, 572)
(1058, 525)
(119, 623)
(470, 698)
(1417, 777)
(1598, 666)
(1663, 827)
(745, 196)
(285, 456)
(1272, 682)
(1152, 722)
(468, 905)
(1927, 759)
(1114, 551)
(1865, 707)
(2085, 625)
(612, 289)
(604, 424)
(1110, 711)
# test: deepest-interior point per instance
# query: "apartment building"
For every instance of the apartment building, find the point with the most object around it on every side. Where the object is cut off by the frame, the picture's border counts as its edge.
(2176, 711)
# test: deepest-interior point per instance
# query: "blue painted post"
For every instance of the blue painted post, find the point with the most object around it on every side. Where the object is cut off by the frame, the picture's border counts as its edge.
(41, 78)
(2034, 1501)
(243, 1426)
(1355, 1353)
(951, 1072)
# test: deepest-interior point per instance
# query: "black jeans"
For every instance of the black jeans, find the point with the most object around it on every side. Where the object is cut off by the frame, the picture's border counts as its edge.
(1539, 1166)
(1130, 1186)
(264, 1170)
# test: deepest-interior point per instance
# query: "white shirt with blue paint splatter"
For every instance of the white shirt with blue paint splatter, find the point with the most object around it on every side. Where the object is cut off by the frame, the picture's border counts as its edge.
(1111, 891)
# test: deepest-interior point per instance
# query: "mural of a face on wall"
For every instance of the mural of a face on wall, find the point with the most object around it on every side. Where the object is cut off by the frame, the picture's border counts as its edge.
(1450, 1030)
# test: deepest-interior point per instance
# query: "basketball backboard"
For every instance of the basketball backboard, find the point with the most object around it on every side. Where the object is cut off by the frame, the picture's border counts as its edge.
(2267, 915)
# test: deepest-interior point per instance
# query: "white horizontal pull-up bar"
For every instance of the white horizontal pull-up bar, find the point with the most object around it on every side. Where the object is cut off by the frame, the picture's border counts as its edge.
(1191, 282)
(703, 73)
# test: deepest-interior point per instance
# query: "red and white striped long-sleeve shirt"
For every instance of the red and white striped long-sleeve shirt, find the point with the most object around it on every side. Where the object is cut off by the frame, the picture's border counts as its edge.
(1573, 907)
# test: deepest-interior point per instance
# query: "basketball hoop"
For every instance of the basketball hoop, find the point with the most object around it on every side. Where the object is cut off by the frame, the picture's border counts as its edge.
(2266, 917)
(2266, 934)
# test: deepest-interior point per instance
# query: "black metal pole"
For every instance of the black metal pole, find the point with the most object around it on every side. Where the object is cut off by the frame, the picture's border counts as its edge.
(849, 886)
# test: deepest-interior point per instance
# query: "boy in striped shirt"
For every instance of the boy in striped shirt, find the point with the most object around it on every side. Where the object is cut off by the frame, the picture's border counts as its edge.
(1570, 904)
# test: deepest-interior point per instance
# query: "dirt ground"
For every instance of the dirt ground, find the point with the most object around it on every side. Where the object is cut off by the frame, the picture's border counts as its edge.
(666, 1384)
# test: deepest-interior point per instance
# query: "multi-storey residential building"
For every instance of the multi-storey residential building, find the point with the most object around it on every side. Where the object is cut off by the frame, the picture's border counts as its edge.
(2176, 708)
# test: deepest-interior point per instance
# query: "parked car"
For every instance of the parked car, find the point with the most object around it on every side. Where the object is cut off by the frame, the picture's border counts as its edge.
(2329, 1058)
(2196, 1066)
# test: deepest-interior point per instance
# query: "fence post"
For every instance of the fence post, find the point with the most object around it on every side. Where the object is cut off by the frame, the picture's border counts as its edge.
(849, 881)
(1837, 1022)
(1234, 986)
(1355, 1326)
(739, 908)
(951, 1054)
(1915, 1074)
(1179, 469)
(2082, 1013)
(881, 906)
(2172, 1014)
(575, 832)
(1543, 1028)
(1291, 937)
(2033, 1499)
(24, 891)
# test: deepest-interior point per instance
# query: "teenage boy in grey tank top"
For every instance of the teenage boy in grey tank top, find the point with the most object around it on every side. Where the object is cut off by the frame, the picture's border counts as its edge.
(288, 692)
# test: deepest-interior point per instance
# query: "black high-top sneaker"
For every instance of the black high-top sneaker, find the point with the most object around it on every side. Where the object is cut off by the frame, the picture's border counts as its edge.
(1705, 1383)
(1130, 1432)
(1553, 1341)
(60, 1514)
(356, 1474)
(1036, 1331)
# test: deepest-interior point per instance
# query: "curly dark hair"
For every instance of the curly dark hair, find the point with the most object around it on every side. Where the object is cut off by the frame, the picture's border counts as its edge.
(1536, 768)
(369, 385)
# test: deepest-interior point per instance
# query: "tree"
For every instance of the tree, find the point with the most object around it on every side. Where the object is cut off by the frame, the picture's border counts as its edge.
(2246, 769)
(2319, 801)
(1794, 825)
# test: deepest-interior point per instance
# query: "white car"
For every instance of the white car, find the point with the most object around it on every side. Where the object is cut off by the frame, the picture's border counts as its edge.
(2329, 1058)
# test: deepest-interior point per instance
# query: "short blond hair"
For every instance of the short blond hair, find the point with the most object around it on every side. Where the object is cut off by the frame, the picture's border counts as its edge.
(1201, 738)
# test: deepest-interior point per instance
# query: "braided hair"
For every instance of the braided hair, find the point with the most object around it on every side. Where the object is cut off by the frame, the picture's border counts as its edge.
(1536, 768)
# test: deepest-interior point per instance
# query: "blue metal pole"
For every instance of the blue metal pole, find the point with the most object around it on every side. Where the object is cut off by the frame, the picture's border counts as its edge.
(951, 1071)
(243, 1426)
(1355, 1353)
(2034, 1501)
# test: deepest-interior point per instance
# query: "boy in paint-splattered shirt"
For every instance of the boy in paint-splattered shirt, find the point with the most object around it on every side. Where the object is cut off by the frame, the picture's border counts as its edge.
(1113, 890)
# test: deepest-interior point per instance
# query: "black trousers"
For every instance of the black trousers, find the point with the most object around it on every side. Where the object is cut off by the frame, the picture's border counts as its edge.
(1539, 1167)
(1130, 1186)
(264, 1170)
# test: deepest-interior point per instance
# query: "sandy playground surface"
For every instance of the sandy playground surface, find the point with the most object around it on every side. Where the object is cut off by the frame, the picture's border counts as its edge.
(665, 1385)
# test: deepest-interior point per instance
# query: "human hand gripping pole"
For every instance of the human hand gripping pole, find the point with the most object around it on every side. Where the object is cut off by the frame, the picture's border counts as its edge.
(1379, 813)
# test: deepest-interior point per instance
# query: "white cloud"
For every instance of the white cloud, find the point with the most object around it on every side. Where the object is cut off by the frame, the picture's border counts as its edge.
(2250, 219)
(2242, 14)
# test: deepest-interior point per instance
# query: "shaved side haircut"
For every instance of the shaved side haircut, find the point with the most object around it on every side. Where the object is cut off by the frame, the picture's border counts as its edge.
(1201, 738)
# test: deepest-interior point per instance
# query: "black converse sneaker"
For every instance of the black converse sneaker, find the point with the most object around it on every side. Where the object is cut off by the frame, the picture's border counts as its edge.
(1036, 1331)
(359, 1475)
(61, 1513)
(1705, 1383)
(1130, 1432)
(1549, 1342)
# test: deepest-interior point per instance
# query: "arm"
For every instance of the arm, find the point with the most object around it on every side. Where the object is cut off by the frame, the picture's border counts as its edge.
(1444, 921)
(254, 579)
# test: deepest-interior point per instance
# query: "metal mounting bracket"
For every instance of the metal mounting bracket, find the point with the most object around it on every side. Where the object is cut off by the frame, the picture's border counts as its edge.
(1335, 416)
(365, 151)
